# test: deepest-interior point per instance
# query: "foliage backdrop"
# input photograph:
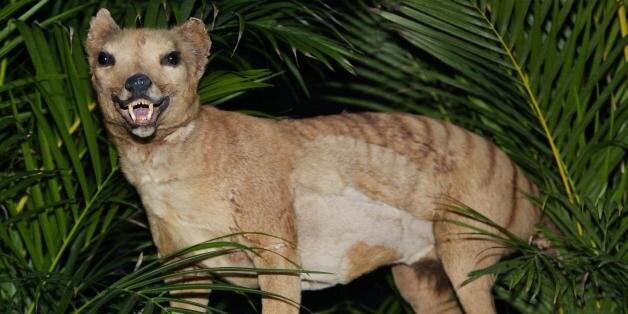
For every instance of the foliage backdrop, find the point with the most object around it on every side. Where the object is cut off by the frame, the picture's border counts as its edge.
(546, 80)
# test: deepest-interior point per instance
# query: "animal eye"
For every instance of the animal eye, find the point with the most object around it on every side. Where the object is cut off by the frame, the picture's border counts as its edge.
(105, 59)
(171, 59)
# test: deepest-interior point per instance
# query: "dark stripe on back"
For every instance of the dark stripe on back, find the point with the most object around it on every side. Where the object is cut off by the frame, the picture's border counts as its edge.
(305, 129)
(363, 127)
(428, 130)
(445, 141)
(492, 156)
(354, 126)
(360, 126)
(374, 123)
(314, 124)
(469, 142)
(447, 131)
(403, 127)
(429, 136)
(340, 125)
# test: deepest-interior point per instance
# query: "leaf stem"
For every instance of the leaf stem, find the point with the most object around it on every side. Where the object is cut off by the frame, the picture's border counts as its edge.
(535, 106)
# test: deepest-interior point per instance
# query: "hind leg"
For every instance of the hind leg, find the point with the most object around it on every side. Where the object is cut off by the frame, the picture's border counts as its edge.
(461, 255)
(425, 286)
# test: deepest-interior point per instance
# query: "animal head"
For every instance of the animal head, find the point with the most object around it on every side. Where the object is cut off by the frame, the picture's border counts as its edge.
(146, 79)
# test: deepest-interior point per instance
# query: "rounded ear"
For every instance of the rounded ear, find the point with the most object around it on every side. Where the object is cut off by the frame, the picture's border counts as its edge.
(101, 27)
(194, 32)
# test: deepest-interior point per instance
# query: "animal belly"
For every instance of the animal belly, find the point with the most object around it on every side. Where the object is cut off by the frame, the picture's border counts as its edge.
(347, 234)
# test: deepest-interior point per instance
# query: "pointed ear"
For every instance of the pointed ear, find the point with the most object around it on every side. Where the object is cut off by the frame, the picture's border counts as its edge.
(194, 32)
(101, 27)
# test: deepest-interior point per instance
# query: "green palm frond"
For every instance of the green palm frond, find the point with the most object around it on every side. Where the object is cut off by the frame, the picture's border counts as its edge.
(26, 10)
(220, 86)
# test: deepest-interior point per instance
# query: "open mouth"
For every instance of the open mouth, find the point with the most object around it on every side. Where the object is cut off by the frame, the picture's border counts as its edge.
(141, 111)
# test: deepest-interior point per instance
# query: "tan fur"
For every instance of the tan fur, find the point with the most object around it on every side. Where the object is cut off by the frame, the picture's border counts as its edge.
(425, 286)
(364, 258)
(346, 193)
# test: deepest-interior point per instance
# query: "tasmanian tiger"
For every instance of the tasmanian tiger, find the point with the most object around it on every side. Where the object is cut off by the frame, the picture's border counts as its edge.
(341, 194)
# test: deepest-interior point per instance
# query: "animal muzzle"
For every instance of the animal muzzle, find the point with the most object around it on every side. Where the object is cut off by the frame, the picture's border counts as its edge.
(140, 109)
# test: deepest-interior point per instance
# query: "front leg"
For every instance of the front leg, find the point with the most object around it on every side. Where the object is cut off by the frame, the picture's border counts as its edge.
(287, 286)
(269, 217)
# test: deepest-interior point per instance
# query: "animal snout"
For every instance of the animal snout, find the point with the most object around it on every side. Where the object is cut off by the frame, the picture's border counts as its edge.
(138, 84)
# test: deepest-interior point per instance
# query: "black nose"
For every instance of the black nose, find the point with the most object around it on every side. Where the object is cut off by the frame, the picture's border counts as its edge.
(138, 84)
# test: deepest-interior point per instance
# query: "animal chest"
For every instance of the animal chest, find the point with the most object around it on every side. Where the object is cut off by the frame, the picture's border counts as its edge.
(182, 208)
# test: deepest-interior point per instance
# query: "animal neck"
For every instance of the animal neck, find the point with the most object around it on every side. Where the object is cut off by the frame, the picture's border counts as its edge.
(170, 130)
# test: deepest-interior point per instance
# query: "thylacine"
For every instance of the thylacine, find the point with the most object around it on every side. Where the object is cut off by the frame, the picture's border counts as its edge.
(350, 192)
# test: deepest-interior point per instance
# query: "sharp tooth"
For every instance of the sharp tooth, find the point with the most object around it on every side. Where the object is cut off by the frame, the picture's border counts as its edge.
(131, 113)
(150, 111)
